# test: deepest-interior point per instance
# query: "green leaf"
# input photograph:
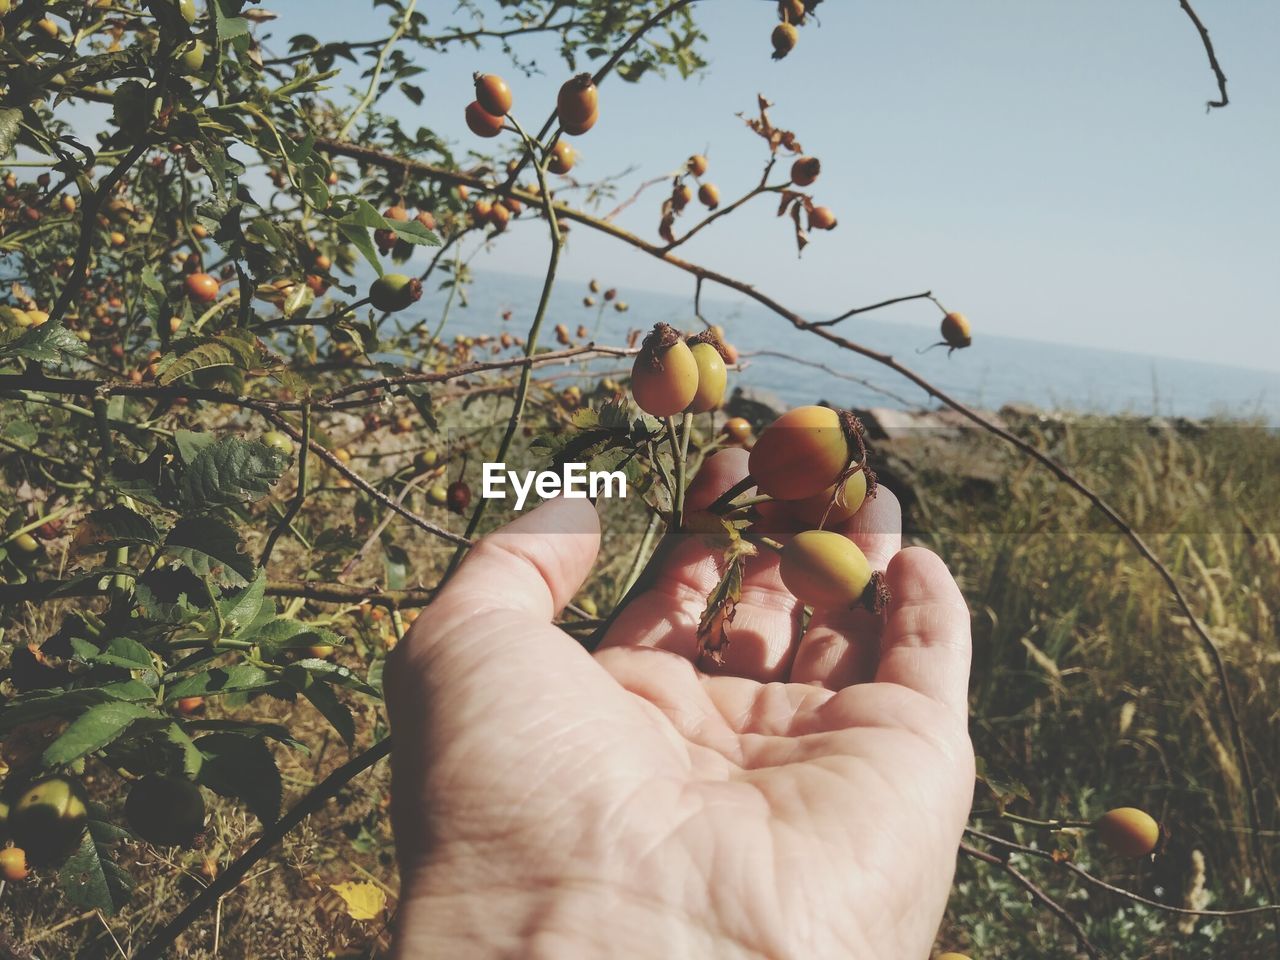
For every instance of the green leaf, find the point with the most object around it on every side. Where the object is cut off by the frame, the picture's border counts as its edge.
(335, 673)
(190, 443)
(283, 634)
(44, 344)
(246, 728)
(395, 566)
(359, 238)
(221, 680)
(93, 730)
(10, 121)
(234, 348)
(132, 106)
(91, 878)
(39, 704)
(210, 548)
(376, 669)
(314, 188)
(298, 302)
(420, 397)
(414, 232)
(242, 768)
(332, 709)
(240, 612)
(227, 24)
(1003, 788)
(20, 432)
(364, 214)
(116, 526)
(231, 471)
(124, 652)
(192, 758)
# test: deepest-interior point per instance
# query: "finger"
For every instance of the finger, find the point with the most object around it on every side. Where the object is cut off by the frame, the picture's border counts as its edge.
(519, 575)
(766, 620)
(925, 644)
(534, 565)
(484, 659)
(842, 647)
(719, 472)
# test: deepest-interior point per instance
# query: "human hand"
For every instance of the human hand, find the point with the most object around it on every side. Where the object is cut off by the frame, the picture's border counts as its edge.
(805, 800)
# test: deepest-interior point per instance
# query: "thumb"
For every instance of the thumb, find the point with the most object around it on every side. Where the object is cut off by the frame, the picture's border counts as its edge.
(492, 620)
(484, 660)
(533, 565)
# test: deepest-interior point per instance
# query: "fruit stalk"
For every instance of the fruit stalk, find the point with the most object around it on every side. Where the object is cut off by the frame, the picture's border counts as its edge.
(642, 555)
(679, 441)
(722, 502)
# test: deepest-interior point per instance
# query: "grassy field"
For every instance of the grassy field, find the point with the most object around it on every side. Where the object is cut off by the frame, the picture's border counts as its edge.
(1090, 688)
(1089, 692)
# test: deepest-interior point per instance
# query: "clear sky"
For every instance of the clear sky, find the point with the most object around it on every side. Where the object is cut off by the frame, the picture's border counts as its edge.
(1046, 167)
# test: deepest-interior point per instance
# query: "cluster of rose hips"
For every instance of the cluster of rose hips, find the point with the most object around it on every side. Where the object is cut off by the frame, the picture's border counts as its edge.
(578, 109)
(682, 195)
(21, 206)
(577, 105)
(812, 460)
(609, 296)
(804, 171)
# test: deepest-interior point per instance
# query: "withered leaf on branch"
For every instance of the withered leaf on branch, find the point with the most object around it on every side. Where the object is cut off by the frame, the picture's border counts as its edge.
(802, 238)
(789, 197)
(777, 138)
(722, 603)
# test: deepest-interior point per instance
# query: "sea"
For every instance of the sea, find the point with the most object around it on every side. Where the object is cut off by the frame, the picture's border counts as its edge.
(797, 367)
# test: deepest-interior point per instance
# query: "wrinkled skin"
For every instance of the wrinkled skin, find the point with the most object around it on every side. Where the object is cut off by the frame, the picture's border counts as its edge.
(805, 799)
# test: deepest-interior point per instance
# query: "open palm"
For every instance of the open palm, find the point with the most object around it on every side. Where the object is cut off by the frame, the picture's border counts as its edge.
(804, 800)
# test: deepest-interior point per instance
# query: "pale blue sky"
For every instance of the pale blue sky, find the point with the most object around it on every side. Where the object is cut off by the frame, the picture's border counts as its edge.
(1047, 167)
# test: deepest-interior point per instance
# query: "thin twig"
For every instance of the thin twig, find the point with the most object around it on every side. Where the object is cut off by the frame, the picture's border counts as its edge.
(327, 456)
(376, 532)
(1213, 57)
(636, 196)
(1101, 884)
(927, 295)
(832, 371)
(90, 206)
(36, 382)
(605, 69)
(724, 211)
(371, 94)
(531, 339)
(296, 504)
(1038, 895)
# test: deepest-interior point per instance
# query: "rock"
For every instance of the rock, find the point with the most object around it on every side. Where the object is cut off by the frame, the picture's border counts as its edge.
(887, 423)
(761, 407)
